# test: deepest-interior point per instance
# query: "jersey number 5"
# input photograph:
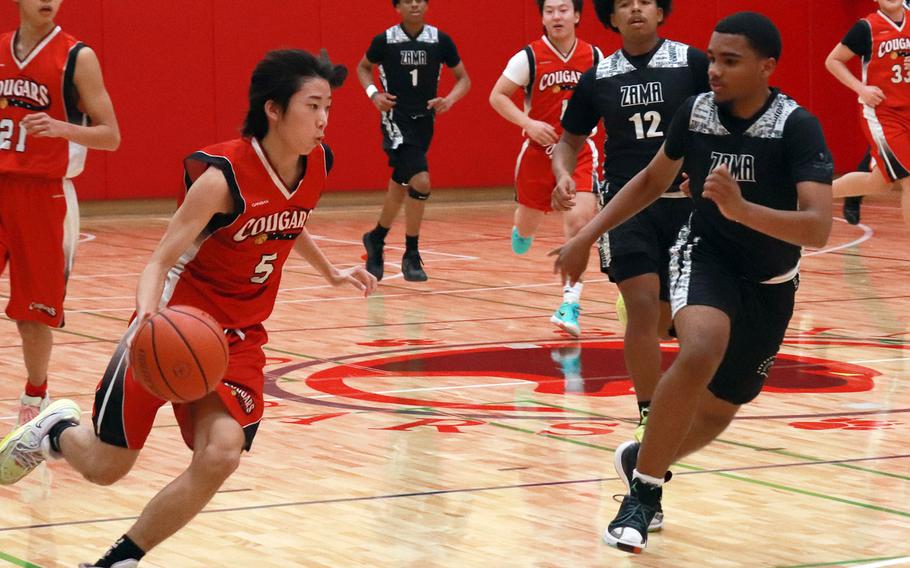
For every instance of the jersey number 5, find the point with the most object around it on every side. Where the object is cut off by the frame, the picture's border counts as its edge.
(264, 269)
(7, 127)
(653, 118)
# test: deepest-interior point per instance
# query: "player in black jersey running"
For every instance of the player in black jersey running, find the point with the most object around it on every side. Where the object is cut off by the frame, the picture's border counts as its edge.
(760, 178)
(410, 56)
(636, 91)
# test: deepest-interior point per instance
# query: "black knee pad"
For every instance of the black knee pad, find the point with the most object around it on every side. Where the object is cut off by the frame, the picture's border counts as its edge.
(414, 194)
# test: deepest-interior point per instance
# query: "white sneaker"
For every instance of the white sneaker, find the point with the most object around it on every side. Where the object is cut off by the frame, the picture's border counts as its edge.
(20, 451)
(30, 406)
(122, 564)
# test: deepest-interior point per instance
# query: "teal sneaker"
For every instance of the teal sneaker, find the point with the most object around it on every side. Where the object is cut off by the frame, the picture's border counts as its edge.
(520, 245)
(566, 318)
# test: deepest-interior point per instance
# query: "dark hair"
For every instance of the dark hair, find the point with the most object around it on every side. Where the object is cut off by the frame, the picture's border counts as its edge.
(278, 76)
(577, 4)
(761, 33)
(397, 2)
(605, 9)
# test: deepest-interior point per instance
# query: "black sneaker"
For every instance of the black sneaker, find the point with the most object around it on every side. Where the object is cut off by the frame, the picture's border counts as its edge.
(851, 209)
(629, 529)
(624, 461)
(411, 267)
(375, 258)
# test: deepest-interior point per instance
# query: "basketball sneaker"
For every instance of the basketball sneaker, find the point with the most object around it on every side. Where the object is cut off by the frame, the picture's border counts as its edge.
(131, 563)
(624, 461)
(411, 267)
(642, 423)
(520, 245)
(566, 318)
(851, 209)
(629, 529)
(375, 257)
(21, 452)
(30, 406)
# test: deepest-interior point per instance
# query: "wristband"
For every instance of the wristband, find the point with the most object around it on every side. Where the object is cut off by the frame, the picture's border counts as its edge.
(371, 90)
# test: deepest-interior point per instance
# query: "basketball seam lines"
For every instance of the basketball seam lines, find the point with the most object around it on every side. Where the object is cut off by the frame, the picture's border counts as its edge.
(188, 348)
(227, 354)
(158, 363)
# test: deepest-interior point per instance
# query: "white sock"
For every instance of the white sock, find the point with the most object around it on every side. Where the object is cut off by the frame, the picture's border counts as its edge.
(647, 478)
(572, 293)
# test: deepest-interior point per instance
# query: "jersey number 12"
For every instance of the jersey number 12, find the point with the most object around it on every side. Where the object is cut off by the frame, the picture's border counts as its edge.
(652, 117)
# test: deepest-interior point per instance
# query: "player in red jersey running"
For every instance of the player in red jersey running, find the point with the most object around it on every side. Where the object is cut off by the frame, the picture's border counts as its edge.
(247, 200)
(548, 69)
(882, 40)
(53, 105)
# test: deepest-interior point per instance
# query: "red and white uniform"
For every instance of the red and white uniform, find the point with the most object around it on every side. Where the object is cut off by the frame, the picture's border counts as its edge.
(887, 126)
(549, 78)
(232, 272)
(39, 217)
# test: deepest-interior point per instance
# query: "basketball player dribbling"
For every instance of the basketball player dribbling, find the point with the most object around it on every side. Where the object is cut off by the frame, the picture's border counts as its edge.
(43, 141)
(247, 200)
(882, 40)
(547, 70)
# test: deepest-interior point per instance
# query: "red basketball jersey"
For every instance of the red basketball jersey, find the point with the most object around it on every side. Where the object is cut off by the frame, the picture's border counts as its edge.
(234, 269)
(554, 77)
(42, 82)
(888, 67)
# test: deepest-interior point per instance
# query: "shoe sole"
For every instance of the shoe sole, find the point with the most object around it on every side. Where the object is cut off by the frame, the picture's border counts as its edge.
(625, 547)
(573, 331)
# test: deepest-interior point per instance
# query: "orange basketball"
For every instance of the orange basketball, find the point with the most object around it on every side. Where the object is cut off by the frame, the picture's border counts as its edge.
(180, 354)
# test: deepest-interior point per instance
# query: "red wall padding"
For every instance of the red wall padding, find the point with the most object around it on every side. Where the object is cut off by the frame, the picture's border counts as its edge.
(178, 73)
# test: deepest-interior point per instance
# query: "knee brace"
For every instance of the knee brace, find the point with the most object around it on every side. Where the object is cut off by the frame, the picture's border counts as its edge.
(414, 194)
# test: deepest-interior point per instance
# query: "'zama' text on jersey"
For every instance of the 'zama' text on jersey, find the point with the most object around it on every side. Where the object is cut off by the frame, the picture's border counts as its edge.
(41, 82)
(233, 270)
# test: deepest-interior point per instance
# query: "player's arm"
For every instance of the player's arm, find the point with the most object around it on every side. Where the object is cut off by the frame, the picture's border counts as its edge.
(860, 38)
(94, 100)
(208, 196)
(381, 100)
(461, 88)
(809, 226)
(501, 101)
(565, 158)
(641, 191)
(356, 276)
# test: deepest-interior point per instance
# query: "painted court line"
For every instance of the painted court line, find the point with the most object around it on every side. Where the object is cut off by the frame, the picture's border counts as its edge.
(17, 561)
(876, 562)
(905, 561)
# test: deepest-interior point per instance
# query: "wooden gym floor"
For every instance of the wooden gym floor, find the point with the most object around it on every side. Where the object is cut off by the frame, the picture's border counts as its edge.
(448, 424)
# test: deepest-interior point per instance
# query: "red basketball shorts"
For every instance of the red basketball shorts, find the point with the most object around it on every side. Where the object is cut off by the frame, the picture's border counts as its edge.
(888, 132)
(534, 181)
(39, 229)
(124, 410)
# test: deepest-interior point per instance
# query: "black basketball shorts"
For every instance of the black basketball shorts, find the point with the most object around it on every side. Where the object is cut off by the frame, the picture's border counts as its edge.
(642, 244)
(406, 140)
(759, 314)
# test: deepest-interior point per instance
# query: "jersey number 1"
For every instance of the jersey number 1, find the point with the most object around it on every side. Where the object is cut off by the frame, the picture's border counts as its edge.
(653, 118)
(7, 127)
(414, 77)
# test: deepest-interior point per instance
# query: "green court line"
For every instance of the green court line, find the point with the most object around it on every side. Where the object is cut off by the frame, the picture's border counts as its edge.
(749, 446)
(844, 562)
(722, 474)
(16, 561)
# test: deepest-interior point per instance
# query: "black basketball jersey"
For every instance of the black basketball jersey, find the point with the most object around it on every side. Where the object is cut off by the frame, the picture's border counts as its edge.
(410, 67)
(768, 154)
(637, 98)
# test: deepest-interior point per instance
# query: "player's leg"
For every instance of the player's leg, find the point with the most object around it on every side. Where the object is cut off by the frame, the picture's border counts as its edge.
(374, 240)
(533, 185)
(641, 343)
(856, 184)
(711, 419)
(526, 221)
(852, 204)
(905, 199)
(415, 205)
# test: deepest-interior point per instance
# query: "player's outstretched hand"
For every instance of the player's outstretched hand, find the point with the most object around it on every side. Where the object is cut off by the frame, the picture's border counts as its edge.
(685, 186)
(571, 260)
(722, 189)
(383, 101)
(439, 104)
(871, 96)
(563, 196)
(356, 276)
(541, 132)
(43, 126)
